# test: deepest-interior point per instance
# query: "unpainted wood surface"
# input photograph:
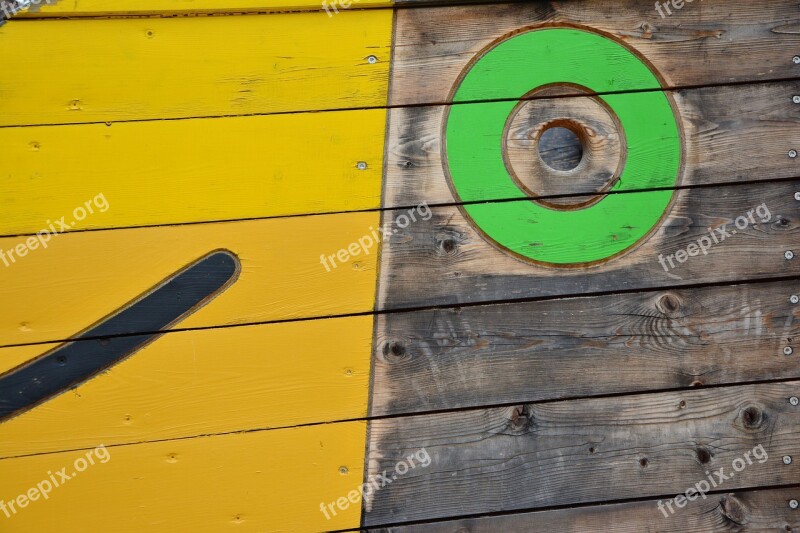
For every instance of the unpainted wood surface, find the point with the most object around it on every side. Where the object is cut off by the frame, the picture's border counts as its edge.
(56, 293)
(582, 451)
(262, 481)
(204, 382)
(619, 343)
(108, 70)
(743, 511)
(196, 170)
(461, 266)
(730, 134)
(709, 42)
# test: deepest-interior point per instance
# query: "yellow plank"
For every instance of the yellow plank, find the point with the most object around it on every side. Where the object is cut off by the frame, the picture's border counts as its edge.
(97, 70)
(192, 170)
(253, 482)
(121, 7)
(205, 382)
(53, 293)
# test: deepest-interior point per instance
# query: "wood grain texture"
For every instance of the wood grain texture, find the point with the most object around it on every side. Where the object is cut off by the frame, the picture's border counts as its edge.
(744, 511)
(54, 293)
(563, 453)
(730, 134)
(179, 171)
(621, 343)
(255, 482)
(704, 43)
(205, 382)
(461, 266)
(228, 66)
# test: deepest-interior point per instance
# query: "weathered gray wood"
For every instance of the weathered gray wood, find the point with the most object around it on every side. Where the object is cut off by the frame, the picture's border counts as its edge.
(731, 134)
(582, 451)
(498, 354)
(708, 42)
(445, 261)
(743, 512)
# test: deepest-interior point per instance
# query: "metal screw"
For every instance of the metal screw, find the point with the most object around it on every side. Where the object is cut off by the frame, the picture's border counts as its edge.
(794, 400)
(343, 470)
(796, 99)
(788, 350)
(794, 298)
(789, 254)
(787, 459)
(794, 504)
(372, 60)
(796, 60)
(362, 165)
(792, 153)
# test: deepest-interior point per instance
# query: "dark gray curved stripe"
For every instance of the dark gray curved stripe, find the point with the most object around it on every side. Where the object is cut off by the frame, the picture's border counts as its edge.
(100, 347)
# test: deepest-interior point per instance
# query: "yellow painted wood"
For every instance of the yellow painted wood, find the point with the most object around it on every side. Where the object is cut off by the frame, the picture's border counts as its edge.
(121, 7)
(95, 70)
(80, 278)
(251, 482)
(192, 170)
(205, 382)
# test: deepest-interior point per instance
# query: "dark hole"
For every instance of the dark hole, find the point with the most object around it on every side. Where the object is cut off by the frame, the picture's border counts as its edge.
(560, 148)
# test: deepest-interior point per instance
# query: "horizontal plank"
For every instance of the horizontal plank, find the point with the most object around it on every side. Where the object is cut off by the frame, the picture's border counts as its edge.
(82, 8)
(460, 265)
(728, 134)
(181, 171)
(455, 358)
(80, 279)
(233, 65)
(744, 511)
(564, 453)
(259, 481)
(716, 42)
(204, 382)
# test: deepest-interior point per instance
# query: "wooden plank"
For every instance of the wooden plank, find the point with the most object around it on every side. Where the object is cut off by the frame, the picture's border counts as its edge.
(180, 171)
(82, 8)
(744, 511)
(233, 65)
(705, 43)
(564, 453)
(258, 481)
(455, 358)
(461, 265)
(205, 382)
(81, 278)
(729, 134)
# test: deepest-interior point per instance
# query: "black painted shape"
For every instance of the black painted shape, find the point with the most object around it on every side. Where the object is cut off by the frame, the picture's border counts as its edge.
(139, 321)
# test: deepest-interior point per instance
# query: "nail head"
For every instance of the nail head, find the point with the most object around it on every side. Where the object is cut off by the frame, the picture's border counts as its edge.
(789, 254)
(794, 298)
(796, 99)
(796, 60)
(362, 165)
(787, 459)
(792, 153)
(794, 400)
(794, 504)
(372, 60)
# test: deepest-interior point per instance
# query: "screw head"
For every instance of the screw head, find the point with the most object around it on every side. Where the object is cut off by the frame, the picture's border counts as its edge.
(787, 459)
(788, 350)
(797, 196)
(794, 400)
(794, 298)
(796, 99)
(789, 254)
(372, 60)
(792, 153)
(362, 165)
(794, 504)
(343, 470)
(796, 60)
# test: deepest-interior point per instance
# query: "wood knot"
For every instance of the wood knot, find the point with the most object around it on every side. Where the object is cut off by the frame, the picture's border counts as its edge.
(669, 304)
(752, 417)
(703, 455)
(395, 352)
(733, 509)
(446, 246)
(519, 421)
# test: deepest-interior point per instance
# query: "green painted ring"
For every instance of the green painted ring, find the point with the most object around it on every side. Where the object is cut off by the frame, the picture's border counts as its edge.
(474, 140)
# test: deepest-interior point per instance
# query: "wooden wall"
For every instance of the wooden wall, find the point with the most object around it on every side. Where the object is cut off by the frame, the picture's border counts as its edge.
(263, 254)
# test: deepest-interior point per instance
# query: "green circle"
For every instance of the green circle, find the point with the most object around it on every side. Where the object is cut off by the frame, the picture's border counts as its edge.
(474, 141)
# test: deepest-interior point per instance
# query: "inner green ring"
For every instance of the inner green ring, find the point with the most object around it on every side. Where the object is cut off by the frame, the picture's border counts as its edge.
(474, 140)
